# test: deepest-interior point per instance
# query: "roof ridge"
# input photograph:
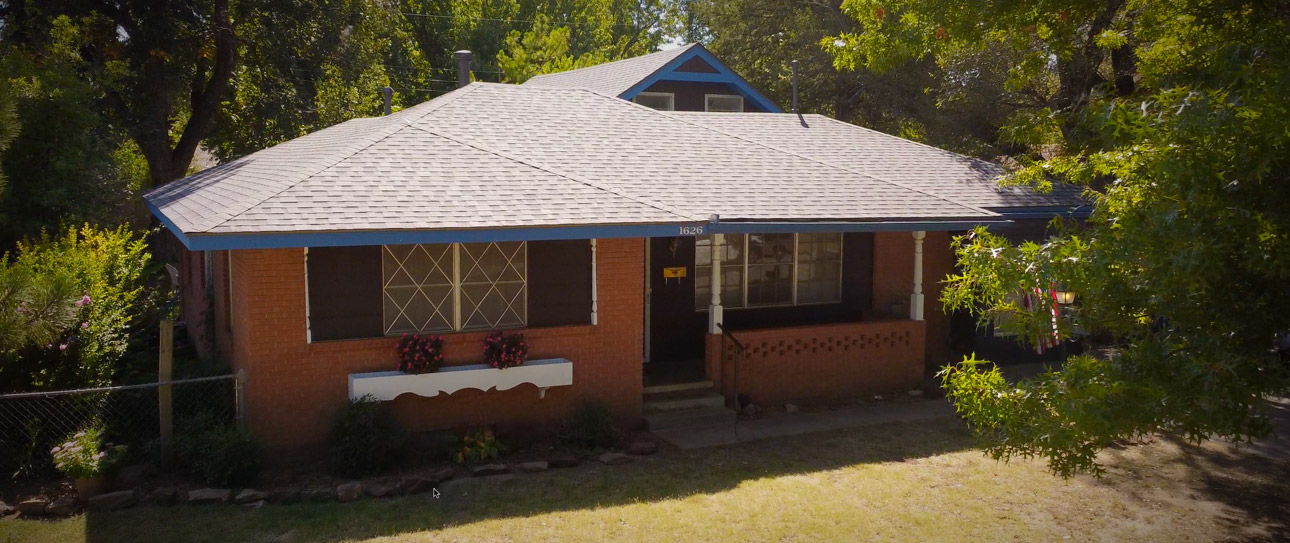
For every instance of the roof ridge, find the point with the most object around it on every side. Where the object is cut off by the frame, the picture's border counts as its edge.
(637, 57)
(799, 155)
(553, 171)
(398, 126)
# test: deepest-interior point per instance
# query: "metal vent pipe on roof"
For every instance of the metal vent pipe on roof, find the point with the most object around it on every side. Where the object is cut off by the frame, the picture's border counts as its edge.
(795, 86)
(464, 58)
(388, 94)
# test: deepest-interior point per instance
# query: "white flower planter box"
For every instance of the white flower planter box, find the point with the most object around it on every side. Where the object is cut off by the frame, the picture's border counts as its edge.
(387, 385)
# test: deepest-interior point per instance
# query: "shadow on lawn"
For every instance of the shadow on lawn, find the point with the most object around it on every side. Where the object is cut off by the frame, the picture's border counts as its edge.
(670, 474)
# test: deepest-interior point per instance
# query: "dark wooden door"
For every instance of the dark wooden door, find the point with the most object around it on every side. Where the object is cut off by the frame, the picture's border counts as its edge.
(676, 329)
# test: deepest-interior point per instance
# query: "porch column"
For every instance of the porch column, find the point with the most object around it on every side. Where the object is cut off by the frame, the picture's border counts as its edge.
(916, 299)
(594, 287)
(714, 308)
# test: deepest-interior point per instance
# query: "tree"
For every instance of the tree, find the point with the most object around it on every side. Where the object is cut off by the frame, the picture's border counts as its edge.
(1173, 115)
(162, 67)
(959, 105)
(8, 122)
(592, 32)
(67, 164)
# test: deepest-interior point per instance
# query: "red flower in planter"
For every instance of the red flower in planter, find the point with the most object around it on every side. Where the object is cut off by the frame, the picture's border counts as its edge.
(501, 351)
(418, 354)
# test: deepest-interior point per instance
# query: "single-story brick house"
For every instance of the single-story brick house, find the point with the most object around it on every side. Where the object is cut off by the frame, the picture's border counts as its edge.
(618, 232)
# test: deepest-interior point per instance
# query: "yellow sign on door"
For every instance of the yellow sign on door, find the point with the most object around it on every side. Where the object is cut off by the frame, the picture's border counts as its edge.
(674, 273)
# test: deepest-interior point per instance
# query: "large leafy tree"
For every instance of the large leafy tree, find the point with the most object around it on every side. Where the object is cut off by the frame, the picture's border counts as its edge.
(568, 35)
(960, 103)
(1173, 114)
(160, 67)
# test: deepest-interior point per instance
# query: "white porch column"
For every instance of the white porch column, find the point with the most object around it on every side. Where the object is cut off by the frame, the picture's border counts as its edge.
(594, 286)
(916, 299)
(714, 308)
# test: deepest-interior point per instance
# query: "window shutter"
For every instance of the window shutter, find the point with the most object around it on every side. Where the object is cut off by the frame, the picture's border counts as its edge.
(344, 292)
(559, 282)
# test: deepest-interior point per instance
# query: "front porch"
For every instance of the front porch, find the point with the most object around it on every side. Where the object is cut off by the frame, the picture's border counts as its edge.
(851, 322)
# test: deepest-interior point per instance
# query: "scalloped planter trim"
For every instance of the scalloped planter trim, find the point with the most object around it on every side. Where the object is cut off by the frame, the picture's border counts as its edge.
(387, 385)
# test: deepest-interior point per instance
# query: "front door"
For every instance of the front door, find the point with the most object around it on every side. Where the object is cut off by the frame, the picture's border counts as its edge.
(676, 330)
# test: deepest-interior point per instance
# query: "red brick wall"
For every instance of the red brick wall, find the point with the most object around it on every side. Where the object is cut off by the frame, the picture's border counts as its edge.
(825, 362)
(211, 337)
(294, 387)
(893, 280)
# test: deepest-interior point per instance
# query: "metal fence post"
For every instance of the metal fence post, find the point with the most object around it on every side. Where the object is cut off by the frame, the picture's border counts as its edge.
(239, 397)
(165, 404)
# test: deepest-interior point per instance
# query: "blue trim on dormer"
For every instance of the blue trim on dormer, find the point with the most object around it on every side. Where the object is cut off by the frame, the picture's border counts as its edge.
(724, 75)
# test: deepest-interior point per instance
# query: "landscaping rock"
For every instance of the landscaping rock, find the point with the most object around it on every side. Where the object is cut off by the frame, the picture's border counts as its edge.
(642, 447)
(564, 461)
(209, 495)
(791, 408)
(751, 410)
(489, 469)
(878, 398)
(111, 501)
(348, 492)
(533, 467)
(382, 489)
(63, 507)
(285, 495)
(254, 504)
(5, 509)
(248, 495)
(318, 494)
(165, 495)
(33, 507)
(915, 393)
(417, 484)
(614, 459)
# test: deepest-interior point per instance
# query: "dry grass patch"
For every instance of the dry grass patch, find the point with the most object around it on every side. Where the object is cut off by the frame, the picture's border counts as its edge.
(892, 483)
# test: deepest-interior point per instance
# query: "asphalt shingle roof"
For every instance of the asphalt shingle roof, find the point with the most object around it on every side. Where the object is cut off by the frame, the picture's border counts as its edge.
(612, 78)
(498, 156)
(959, 178)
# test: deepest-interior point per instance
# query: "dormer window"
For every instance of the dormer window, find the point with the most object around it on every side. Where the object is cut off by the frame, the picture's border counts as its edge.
(724, 103)
(662, 101)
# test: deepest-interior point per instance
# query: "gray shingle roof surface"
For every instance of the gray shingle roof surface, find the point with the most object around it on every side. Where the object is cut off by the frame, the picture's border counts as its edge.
(960, 178)
(497, 156)
(612, 78)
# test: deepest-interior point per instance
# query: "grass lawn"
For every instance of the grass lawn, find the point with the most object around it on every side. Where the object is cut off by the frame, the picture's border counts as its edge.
(888, 483)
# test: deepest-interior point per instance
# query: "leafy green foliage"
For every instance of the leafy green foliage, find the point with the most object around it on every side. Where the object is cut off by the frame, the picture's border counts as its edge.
(84, 293)
(219, 454)
(1186, 259)
(365, 438)
(477, 446)
(592, 426)
(548, 48)
(68, 164)
(85, 454)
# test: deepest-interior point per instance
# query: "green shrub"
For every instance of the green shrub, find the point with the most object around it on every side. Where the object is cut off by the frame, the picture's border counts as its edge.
(365, 439)
(478, 445)
(592, 426)
(85, 454)
(220, 455)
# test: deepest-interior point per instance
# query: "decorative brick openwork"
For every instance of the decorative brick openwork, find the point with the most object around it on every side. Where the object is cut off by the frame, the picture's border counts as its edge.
(807, 363)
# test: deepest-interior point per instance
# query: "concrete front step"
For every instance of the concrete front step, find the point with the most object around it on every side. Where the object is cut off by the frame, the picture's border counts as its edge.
(678, 387)
(690, 418)
(684, 399)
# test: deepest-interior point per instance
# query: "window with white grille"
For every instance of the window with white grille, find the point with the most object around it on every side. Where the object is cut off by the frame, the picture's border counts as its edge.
(444, 287)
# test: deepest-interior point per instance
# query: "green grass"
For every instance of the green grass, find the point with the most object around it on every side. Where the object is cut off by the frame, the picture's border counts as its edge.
(891, 483)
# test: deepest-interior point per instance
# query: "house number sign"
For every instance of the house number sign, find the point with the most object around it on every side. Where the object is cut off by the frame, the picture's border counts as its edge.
(692, 230)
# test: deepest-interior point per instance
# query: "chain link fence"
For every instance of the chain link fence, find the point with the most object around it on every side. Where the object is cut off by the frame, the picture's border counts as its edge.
(33, 423)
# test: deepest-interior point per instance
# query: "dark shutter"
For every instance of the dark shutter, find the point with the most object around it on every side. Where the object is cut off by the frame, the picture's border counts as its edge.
(559, 282)
(857, 269)
(345, 292)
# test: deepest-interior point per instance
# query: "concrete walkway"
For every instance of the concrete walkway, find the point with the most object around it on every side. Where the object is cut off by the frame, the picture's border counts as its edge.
(783, 425)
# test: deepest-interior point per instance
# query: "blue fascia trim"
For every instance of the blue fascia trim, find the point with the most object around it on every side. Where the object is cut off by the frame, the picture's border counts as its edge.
(219, 242)
(1082, 212)
(165, 221)
(892, 226)
(724, 75)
